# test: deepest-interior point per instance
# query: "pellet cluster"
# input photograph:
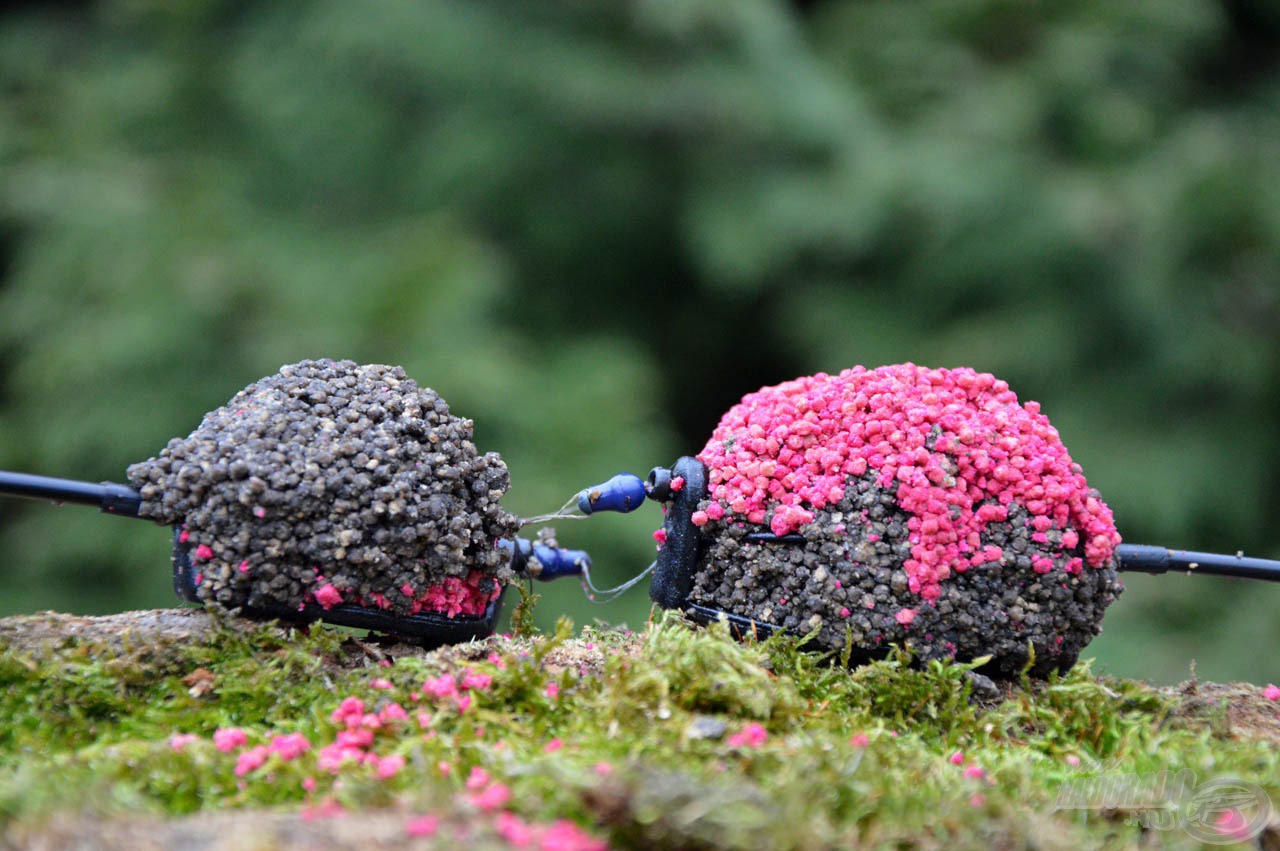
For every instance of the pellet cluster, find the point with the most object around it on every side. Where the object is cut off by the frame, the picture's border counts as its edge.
(333, 477)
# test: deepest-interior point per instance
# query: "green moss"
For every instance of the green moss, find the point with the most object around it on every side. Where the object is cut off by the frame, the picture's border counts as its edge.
(629, 734)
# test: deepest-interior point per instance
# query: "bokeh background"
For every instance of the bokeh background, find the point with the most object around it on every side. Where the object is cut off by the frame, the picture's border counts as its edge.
(592, 226)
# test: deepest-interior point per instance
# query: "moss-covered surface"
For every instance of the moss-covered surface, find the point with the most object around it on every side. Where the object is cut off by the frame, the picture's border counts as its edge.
(672, 737)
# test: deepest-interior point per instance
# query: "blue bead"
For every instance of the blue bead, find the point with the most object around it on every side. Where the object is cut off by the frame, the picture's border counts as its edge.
(623, 493)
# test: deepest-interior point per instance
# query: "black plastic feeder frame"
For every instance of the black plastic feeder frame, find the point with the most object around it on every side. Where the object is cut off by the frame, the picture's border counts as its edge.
(527, 559)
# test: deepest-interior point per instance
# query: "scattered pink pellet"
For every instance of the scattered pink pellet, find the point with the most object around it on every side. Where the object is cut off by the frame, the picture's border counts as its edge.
(392, 713)
(1072, 759)
(604, 769)
(444, 767)
(751, 736)
(179, 741)
(973, 771)
(204, 552)
(698, 518)
(491, 797)
(328, 808)
(553, 690)
(859, 740)
(290, 746)
(564, 835)
(476, 680)
(478, 778)
(424, 720)
(1231, 822)
(1271, 693)
(389, 766)
(184, 536)
(228, 739)
(518, 832)
(361, 737)
(497, 661)
(978, 800)
(422, 826)
(677, 484)
(381, 684)
(259, 511)
(349, 712)
(251, 759)
(309, 784)
(660, 535)
(463, 702)
(844, 611)
(905, 616)
(957, 758)
(553, 745)
(441, 686)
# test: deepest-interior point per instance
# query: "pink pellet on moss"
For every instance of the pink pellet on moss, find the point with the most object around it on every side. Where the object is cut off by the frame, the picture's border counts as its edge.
(348, 713)
(751, 736)
(957, 758)
(475, 680)
(251, 759)
(788, 450)
(392, 713)
(290, 747)
(179, 741)
(389, 766)
(420, 827)
(552, 690)
(478, 778)
(1271, 692)
(515, 830)
(228, 739)
(491, 797)
(564, 835)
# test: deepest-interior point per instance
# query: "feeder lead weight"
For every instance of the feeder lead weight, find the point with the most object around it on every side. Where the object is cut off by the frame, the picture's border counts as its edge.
(623, 493)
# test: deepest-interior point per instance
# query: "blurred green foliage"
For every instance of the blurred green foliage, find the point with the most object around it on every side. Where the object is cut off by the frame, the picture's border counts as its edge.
(594, 226)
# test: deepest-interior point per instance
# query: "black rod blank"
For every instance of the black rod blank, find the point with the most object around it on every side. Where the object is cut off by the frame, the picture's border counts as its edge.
(110, 497)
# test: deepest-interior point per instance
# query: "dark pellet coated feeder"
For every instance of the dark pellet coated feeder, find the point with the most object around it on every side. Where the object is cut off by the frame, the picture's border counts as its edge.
(430, 629)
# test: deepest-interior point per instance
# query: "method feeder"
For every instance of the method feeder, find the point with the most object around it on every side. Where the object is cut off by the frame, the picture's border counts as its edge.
(896, 505)
(528, 558)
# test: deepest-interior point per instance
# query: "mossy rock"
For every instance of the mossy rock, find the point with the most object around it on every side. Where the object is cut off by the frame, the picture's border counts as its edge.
(671, 737)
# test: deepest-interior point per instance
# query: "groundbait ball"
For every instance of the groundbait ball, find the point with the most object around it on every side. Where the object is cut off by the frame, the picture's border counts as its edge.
(334, 482)
(935, 510)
